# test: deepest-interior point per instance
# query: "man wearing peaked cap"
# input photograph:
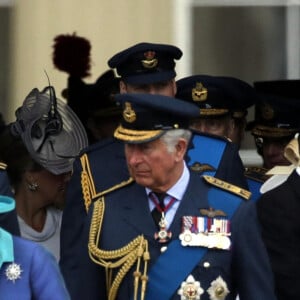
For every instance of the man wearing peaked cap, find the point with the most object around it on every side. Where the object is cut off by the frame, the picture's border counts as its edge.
(278, 212)
(146, 118)
(276, 119)
(223, 102)
(144, 68)
(136, 238)
(102, 165)
(147, 67)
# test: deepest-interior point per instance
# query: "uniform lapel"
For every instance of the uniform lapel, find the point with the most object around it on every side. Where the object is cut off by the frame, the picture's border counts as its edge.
(137, 213)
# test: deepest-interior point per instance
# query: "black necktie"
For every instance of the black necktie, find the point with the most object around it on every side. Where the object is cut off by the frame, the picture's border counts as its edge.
(156, 214)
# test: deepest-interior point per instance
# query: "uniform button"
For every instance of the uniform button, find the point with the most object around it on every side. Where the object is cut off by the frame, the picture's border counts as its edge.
(206, 264)
(163, 249)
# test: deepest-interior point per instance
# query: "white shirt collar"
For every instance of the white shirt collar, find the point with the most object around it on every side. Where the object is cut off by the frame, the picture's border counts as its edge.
(178, 189)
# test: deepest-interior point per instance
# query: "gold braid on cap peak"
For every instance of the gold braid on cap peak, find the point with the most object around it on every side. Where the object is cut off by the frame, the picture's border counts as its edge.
(130, 135)
(135, 252)
(3, 166)
(88, 186)
(265, 131)
(213, 111)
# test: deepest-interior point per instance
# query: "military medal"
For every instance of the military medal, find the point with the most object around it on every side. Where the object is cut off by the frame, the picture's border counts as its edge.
(13, 272)
(190, 289)
(207, 232)
(163, 235)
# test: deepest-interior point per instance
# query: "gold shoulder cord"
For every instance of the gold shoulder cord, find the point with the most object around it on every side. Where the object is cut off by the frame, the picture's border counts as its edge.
(88, 186)
(124, 258)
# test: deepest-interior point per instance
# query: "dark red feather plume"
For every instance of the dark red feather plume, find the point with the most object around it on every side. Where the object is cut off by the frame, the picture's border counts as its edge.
(71, 54)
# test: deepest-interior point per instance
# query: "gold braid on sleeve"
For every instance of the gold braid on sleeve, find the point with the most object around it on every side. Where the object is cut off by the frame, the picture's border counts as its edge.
(135, 252)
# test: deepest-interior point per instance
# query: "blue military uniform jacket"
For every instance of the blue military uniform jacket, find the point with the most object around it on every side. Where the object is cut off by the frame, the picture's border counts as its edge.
(40, 278)
(278, 213)
(103, 166)
(244, 267)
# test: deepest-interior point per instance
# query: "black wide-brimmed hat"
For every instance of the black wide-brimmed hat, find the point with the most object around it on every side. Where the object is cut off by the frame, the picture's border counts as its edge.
(146, 117)
(146, 63)
(50, 130)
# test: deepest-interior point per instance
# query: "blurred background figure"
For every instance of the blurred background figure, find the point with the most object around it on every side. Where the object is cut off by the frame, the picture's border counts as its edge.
(278, 212)
(8, 220)
(276, 119)
(39, 149)
(223, 102)
(94, 103)
(28, 271)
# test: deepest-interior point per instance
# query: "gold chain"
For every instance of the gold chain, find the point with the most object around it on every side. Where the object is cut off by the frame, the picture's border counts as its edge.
(124, 258)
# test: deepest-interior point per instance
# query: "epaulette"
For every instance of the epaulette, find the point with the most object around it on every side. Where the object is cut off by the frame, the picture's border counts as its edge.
(257, 174)
(88, 186)
(3, 166)
(227, 186)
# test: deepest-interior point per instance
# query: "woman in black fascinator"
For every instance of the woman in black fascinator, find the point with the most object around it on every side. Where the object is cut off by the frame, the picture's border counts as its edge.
(39, 149)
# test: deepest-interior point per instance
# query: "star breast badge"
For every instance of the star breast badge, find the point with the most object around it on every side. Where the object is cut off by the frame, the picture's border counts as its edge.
(190, 289)
(218, 289)
(13, 272)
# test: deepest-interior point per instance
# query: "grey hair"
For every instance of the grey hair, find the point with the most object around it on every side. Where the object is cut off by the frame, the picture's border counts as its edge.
(171, 137)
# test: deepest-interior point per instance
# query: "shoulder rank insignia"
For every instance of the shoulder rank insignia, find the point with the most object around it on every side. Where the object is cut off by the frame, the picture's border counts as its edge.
(200, 168)
(3, 166)
(227, 186)
(257, 174)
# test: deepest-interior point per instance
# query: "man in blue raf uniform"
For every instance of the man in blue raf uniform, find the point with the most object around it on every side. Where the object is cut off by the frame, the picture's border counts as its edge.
(275, 124)
(223, 103)
(276, 119)
(145, 67)
(201, 231)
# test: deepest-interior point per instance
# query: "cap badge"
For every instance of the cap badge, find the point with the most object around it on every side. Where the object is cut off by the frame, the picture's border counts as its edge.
(199, 93)
(129, 114)
(218, 289)
(190, 289)
(150, 61)
(267, 112)
(13, 272)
